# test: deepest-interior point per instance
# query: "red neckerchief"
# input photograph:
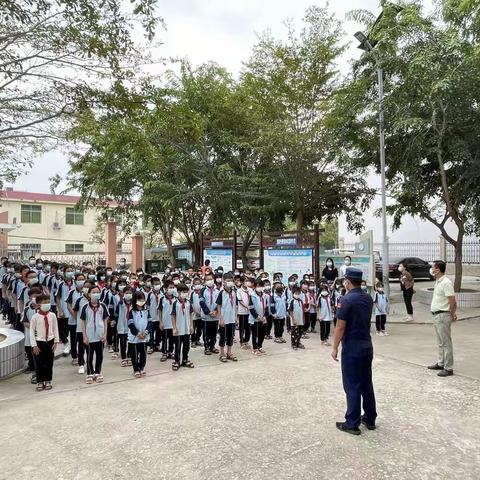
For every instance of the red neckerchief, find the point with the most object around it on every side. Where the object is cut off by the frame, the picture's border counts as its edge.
(45, 319)
(262, 298)
(182, 303)
(95, 310)
(305, 296)
(211, 293)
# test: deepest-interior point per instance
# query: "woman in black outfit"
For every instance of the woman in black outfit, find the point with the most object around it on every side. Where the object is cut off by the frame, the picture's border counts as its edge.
(330, 273)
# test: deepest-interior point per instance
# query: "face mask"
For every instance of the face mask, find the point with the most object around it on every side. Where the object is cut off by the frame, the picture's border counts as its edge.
(92, 277)
(109, 272)
(48, 268)
(45, 307)
(95, 297)
(236, 273)
(312, 288)
(401, 268)
(85, 290)
(148, 284)
(122, 264)
(347, 262)
(220, 272)
(157, 288)
(140, 303)
(184, 295)
(324, 294)
(259, 289)
(296, 296)
(80, 284)
(267, 288)
(229, 284)
(171, 291)
(176, 282)
(209, 283)
(17, 275)
(31, 263)
(68, 275)
(121, 288)
(33, 281)
(380, 290)
(329, 264)
(431, 272)
(218, 281)
(364, 288)
(102, 278)
(291, 284)
(167, 271)
(128, 297)
(39, 266)
(114, 285)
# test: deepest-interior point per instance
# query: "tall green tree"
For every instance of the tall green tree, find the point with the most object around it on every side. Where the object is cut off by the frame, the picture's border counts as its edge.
(432, 72)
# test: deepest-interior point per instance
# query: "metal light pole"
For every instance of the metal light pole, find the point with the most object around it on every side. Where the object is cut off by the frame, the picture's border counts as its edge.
(366, 45)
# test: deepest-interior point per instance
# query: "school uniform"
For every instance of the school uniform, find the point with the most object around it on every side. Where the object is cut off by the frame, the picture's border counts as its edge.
(269, 315)
(326, 315)
(73, 295)
(288, 298)
(28, 313)
(19, 287)
(44, 335)
(198, 326)
(165, 309)
(77, 308)
(279, 311)
(296, 310)
(304, 296)
(182, 312)
(137, 347)
(312, 311)
(381, 307)
(106, 297)
(94, 318)
(208, 304)
(153, 299)
(122, 313)
(258, 309)
(243, 297)
(227, 301)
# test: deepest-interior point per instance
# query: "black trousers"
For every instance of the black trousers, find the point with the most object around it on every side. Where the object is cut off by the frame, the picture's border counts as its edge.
(63, 329)
(155, 334)
(324, 330)
(407, 298)
(94, 349)
(306, 321)
(197, 330)
(80, 349)
(167, 340)
(30, 360)
(111, 332)
(182, 347)
(289, 324)
(138, 354)
(258, 335)
(44, 362)
(297, 331)
(122, 339)
(313, 320)
(243, 328)
(18, 324)
(226, 334)
(268, 325)
(72, 332)
(210, 335)
(358, 386)
(278, 327)
(380, 321)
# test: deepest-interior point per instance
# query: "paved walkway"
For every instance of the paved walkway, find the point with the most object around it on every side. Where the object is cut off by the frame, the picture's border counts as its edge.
(269, 417)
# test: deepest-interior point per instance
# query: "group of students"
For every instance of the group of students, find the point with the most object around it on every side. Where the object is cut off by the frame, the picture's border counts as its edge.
(135, 314)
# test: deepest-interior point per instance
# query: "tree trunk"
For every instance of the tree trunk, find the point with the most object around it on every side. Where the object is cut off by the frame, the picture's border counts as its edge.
(171, 253)
(197, 252)
(244, 257)
(300, 214)
(457, 285)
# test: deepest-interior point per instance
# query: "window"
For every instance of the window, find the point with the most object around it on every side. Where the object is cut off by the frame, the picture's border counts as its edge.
(31, 214)
(74, 248)
(73, 216)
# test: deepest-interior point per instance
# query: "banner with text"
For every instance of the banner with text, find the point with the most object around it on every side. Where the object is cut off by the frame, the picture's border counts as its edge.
(288, 261)
(219, 257)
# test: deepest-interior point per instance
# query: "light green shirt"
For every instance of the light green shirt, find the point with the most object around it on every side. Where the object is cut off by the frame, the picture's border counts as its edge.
(443, 289)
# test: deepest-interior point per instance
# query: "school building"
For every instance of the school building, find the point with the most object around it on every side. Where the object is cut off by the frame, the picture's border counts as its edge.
(43, 224)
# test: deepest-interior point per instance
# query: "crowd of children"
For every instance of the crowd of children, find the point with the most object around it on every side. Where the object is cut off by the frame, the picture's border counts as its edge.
(134, 314)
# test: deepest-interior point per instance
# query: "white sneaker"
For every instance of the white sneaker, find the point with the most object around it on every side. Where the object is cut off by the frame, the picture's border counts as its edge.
(385, 333)
(81, 370)
(380, 334)
(66, 350)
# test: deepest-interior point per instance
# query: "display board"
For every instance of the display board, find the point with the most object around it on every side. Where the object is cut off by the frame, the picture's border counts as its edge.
(219, 257)
(288, 261)
(362, 262)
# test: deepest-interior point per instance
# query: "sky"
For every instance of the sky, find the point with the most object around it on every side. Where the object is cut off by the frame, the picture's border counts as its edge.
(223, 31)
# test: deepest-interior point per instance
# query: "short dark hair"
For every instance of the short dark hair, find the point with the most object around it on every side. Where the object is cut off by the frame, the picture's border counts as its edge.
(441, 265)
(43, 298)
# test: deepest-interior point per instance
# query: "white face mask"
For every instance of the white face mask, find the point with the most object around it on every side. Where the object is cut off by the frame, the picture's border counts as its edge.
(80, 284)
(157, 288)
(95, 297)
(140, 303)
(329, 264)
(184, 295)
(347, 262)
(85, 290)
(176, 282)
(171, 291)
(121, 288)
(229, 284)
(324, 294)
(312, 288)
(33, 281)
(291, 284)
(431, 272)
(128, 297)
(259, 289)
(401, 268)
(364, 288)
(296, 296)
(380, 290)
(197, 287)
(209, 283)
(45, 307)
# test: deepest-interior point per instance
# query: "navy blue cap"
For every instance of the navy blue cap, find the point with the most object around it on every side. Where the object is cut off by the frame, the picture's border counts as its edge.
(354, 274)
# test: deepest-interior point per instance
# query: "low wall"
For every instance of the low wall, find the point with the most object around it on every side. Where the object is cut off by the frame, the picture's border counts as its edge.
(12, 351)
(469, 270)
(464, 299)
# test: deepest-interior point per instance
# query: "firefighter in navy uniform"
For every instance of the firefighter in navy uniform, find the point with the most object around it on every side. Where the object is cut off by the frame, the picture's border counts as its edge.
(353, 330)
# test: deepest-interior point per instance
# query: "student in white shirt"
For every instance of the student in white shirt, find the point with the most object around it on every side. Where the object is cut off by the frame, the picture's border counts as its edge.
(44, 339)
(29, 311)
(182, 323)
(296, 311)
(243, 296)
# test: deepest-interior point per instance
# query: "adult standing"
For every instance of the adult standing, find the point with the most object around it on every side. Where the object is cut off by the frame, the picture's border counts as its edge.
(330, 273)
(353, 330)
(444, 311)
(407, 285)
(347, 261)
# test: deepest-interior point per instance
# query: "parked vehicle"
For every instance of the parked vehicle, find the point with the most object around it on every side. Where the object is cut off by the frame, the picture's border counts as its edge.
(420, 269)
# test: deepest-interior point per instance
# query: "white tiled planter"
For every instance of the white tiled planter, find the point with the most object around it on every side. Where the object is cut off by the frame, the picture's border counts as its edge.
(464, 299)
(12, 351)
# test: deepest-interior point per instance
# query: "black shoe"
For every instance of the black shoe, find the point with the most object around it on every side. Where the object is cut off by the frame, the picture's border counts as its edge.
(343, 427)
(370, 426)
(435, 367)
(445, 373)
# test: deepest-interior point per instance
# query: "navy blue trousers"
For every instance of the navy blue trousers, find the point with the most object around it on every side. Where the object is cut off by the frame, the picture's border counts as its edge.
(358, 386)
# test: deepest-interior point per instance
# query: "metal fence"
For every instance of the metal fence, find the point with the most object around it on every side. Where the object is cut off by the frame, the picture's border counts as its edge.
(429, 251)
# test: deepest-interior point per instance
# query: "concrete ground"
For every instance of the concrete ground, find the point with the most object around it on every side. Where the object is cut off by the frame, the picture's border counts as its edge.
(269, 417)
